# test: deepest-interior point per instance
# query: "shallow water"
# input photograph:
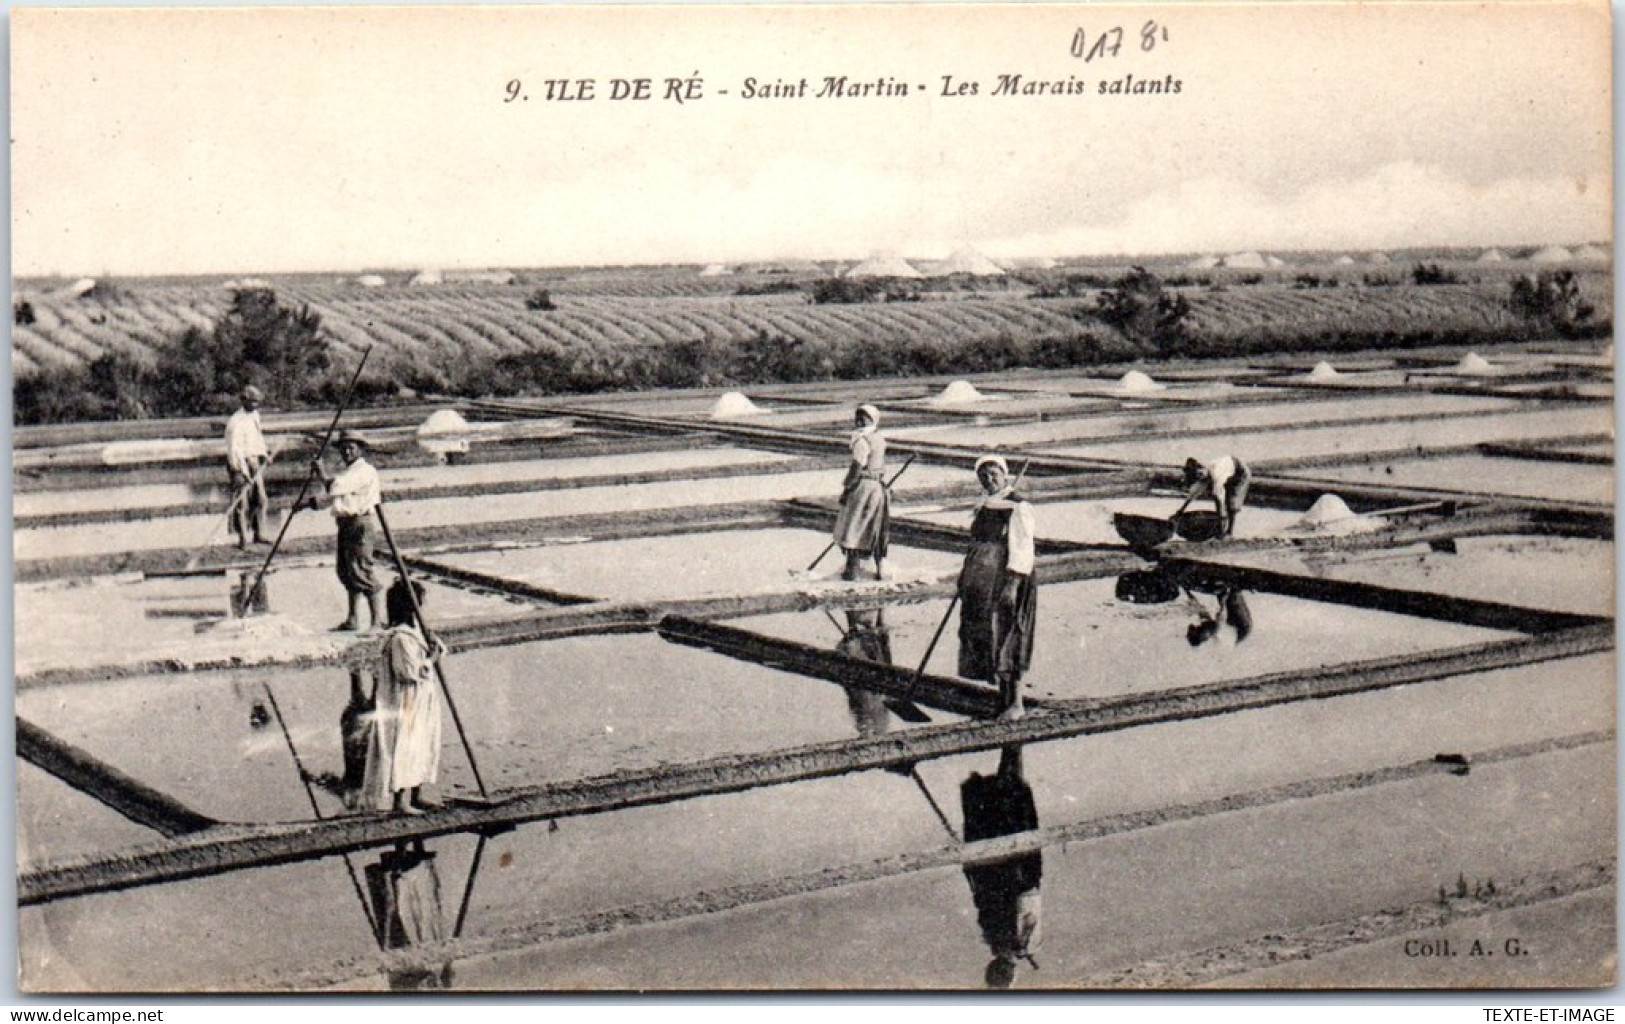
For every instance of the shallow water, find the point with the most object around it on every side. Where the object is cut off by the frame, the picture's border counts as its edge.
(1563, 574)
(56, 821)
(464, 475)
(554, 710)
(1119, 901)
(128, 615)
(1528, 478)
(1236, 417)
(565, 709)
(180, 531)
(1091, 644)
(1351, 440)
(1116, 900)
(688, 565)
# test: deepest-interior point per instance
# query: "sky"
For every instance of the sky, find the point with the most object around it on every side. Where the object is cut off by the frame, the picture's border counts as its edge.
(200, 141)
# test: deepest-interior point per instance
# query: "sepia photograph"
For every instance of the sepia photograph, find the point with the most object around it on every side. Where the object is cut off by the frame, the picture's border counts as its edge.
(769, 498)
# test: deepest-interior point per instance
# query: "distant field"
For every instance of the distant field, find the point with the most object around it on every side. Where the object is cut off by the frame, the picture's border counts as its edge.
(617, 312)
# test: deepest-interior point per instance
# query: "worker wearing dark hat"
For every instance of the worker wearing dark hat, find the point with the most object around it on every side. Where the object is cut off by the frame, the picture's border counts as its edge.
(246, 458)
(355, 495)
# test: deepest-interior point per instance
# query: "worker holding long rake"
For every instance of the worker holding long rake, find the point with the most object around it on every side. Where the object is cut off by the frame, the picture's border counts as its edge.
(246, 459)
(355, 495)
(998, 588)
(863, 525)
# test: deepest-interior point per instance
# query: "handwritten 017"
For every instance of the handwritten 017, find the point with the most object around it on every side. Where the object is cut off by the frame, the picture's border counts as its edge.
(1110, 42)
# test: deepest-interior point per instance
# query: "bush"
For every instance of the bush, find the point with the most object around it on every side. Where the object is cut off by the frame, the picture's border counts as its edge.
(540, 301)
(1432, 273)
(866, 289)
(1070, 286)
(768, 288)
(113, 386)
(56, 395)
(22, 313)
(846, 290)
(256, 341)
(1139, 306)
(1552, 301)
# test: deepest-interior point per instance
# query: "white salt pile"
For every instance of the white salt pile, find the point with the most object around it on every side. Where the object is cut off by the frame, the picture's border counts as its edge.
(1135, 381)
(1332, 514)
(734, 404)
(444, 421)
(1323, 371)
(1473, 363)
(445, 432)
(272, 626)
(1326, 508)
(957, 392)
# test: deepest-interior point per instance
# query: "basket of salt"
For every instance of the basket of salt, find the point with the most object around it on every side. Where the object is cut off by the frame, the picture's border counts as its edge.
(1142, 531)
(1198, 525)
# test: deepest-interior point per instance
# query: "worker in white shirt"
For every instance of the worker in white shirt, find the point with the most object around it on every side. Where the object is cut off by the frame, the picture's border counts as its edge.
(246, 458)
(1223, 480)
(997, 588)
(355, 496)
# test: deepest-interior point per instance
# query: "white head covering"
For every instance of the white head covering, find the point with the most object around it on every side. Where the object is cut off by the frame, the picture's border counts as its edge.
(871, 412)
(992, 460)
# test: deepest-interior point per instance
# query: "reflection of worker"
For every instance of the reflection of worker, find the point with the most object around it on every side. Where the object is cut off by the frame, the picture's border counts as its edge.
(862, 526)
(997, 588)
(867, 639)
(403, 752)
(357, 724)
(356, 495)
(1225, 482)
(1231, 611)
(1006, 891)
(246, 457)
(407, 911)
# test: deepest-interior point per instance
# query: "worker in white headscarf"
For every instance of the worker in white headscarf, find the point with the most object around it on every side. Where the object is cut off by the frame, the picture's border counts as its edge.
(998, 590)
(864, 522)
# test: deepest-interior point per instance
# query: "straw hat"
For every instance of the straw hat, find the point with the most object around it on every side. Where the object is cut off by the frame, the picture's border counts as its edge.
(351, 437)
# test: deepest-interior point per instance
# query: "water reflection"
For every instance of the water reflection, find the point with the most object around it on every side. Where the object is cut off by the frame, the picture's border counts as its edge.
(1005, 891)
(1221, 614)
(867, 638)
(406, 910)
(1230, 610)
(357, 729)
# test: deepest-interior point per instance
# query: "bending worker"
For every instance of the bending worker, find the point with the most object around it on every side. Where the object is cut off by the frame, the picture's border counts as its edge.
(997, 588)
(862, 526)
(246, 458)
(1225, 481)
(355, 494)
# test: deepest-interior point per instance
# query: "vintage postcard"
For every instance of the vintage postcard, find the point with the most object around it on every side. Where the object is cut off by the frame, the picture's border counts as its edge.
(795, 497)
